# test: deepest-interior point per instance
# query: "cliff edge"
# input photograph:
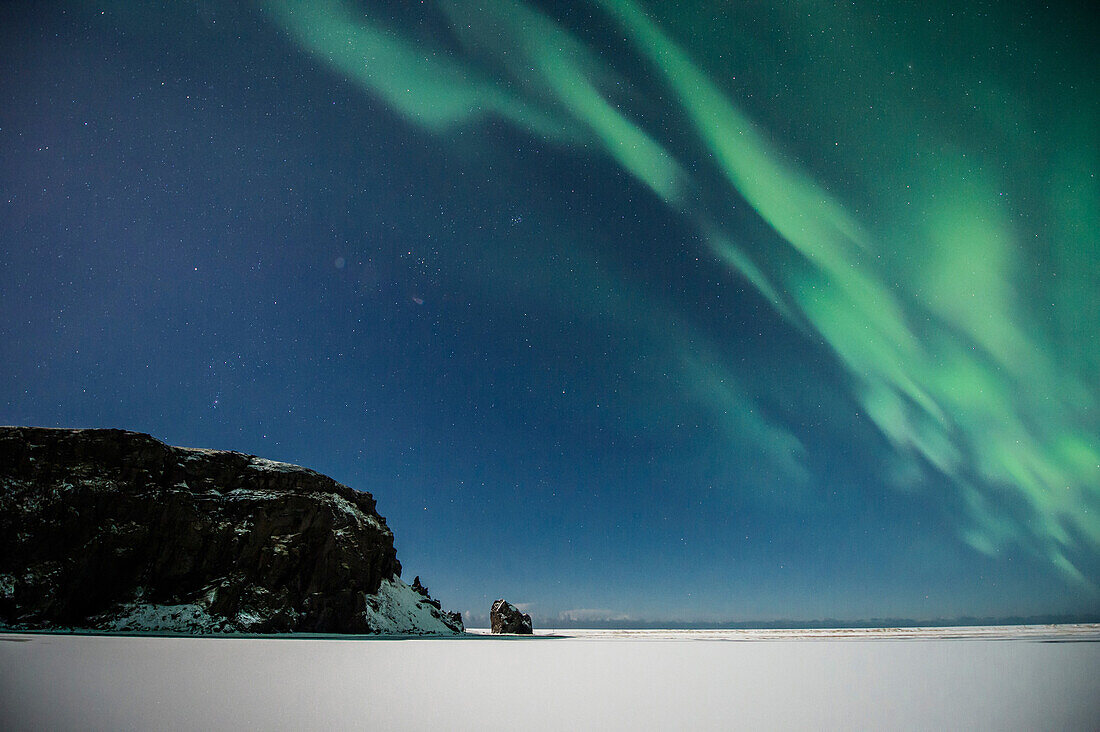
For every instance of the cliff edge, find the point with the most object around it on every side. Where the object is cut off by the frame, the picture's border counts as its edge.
(107, 529)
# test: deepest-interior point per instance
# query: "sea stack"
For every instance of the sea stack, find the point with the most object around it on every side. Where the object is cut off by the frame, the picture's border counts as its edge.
(505, 617)
(105, 529)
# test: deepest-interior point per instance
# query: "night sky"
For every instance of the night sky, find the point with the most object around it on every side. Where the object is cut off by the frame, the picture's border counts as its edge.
(626, 311)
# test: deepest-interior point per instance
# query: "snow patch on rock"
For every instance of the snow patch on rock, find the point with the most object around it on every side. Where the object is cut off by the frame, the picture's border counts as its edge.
(251, 494)
(185, 618)
(398, 610)
(349, 509)
(273, 465)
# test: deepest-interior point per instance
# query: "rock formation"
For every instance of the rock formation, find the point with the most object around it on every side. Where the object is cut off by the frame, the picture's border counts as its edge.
(114, 530)
(505, 617)
(455, 617)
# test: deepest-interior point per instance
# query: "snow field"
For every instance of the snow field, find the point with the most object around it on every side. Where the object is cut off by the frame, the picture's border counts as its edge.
(543, 683)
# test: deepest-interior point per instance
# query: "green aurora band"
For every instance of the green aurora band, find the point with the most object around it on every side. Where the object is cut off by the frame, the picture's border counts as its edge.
(966, 322)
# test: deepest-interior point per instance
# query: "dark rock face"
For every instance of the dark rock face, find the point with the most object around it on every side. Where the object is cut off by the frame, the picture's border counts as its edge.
(111, 529)
(423, 592)
(505, 617)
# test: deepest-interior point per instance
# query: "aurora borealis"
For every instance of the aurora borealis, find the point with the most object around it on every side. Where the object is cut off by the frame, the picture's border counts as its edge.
(626, 310)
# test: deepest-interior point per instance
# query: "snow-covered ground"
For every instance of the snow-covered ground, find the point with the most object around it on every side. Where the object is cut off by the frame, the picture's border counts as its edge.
(1040, 677)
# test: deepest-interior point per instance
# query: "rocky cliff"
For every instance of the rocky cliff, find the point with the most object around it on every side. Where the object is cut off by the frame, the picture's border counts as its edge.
(114, 530)
(504, 617)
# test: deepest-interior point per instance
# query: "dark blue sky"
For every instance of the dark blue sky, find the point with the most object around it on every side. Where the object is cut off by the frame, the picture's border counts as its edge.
(619, 312)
